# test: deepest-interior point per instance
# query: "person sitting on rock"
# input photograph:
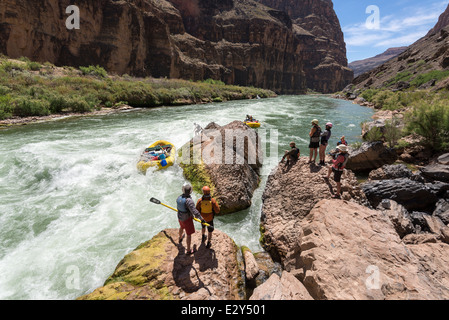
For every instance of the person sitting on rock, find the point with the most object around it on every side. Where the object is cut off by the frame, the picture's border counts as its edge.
(186, 212)
(292, 155)
(334, 153)
(338, 166)
(208, 207)
(342, 141)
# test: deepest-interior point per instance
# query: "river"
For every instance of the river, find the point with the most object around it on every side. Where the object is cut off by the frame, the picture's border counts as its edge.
(72, 202)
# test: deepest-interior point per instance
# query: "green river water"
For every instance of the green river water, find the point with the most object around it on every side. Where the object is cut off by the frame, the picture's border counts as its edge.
(72, 202)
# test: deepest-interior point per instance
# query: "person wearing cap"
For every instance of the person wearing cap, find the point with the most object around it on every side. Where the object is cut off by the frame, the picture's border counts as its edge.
(292, 155)
(208, 207)
(342, 141)
(338, 166)
(315, 134)
(186, 212)
(325, 136)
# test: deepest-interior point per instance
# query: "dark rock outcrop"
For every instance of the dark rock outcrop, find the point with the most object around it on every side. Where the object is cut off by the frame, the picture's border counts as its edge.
(413, 195)
(437, 171)
(237, 41)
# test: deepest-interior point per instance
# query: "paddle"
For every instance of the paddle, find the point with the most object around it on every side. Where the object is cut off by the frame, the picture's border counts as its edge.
(156, 201)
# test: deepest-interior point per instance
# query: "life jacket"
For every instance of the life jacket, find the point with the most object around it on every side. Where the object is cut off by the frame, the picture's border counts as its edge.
(342, 165)
(207, 210)
(181, 203)
(295, 153)
(326, 136)
(317, 132)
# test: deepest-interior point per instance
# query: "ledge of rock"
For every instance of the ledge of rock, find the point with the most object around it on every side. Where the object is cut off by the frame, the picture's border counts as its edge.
(371, 155)
(286, 287)
(343, 249)
(352, 252)
(230, 169)
(289, 195)
(159, 269)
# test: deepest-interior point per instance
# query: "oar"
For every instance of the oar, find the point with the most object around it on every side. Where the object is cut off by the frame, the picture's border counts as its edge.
(156, 201)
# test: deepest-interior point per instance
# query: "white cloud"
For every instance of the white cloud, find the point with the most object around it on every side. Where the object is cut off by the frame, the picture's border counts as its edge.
(401, 29)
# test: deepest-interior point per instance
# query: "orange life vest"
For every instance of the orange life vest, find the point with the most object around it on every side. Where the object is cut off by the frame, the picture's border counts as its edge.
(207, 210)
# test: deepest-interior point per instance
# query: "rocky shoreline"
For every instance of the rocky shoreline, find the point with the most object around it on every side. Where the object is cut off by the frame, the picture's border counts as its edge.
(21, 121)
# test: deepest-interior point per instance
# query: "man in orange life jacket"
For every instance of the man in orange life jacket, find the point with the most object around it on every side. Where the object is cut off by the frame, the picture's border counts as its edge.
(208, 207)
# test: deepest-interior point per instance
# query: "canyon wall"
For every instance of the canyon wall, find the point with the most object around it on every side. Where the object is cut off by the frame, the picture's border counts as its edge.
(284, 47)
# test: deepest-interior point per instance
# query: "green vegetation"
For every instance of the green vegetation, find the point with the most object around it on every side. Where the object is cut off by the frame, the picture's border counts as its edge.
(426, 77)
(426, 113)
(430, 120)
(32, 89)
(401, 76)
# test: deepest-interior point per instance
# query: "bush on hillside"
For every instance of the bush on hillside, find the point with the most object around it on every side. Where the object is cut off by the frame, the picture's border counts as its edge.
(430, 120)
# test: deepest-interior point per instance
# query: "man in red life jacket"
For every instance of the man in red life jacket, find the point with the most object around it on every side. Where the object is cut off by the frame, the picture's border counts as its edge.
(338, 166)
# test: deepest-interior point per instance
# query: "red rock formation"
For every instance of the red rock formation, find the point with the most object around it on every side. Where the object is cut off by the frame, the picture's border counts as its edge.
(237, 41)
(443, 21)
(323, 48)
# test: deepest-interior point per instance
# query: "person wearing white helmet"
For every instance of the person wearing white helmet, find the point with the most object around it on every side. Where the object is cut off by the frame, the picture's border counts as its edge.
(338, 166)
(314, 134)
(186, 211)
(325, 136)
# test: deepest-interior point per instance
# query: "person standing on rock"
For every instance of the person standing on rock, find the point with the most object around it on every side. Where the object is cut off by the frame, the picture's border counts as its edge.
(338, 166)
(292, 155)
(208, 208)
(186, 212)
(325, 136)
(314, 134)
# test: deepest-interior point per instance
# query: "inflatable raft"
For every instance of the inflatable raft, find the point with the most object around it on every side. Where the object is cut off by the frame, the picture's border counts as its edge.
(160, 154)
(253, 124)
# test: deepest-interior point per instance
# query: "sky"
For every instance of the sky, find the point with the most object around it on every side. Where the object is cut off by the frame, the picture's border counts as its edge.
(372, 26)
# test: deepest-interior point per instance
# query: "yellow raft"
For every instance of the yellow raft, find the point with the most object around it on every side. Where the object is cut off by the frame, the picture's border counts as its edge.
(253, 124)
(160, 154)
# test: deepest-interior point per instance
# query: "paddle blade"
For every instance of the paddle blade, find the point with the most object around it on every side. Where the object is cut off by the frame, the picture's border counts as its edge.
(156, 201)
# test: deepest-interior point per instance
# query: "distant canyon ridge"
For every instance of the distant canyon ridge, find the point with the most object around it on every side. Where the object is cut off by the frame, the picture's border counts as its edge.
(283, 45)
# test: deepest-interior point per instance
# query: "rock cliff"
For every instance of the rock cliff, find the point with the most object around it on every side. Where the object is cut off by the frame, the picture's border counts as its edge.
(361, 66)
(237, 41)
(323, 47)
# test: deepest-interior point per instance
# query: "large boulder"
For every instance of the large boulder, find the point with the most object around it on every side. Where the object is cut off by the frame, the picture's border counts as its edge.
(370, 156)
(442, 211)
(289, 195)
(286, 287)
(437, 171)
(159, 269)
(348, 251)
(388, 172)
(228, 159)
(399, 216)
